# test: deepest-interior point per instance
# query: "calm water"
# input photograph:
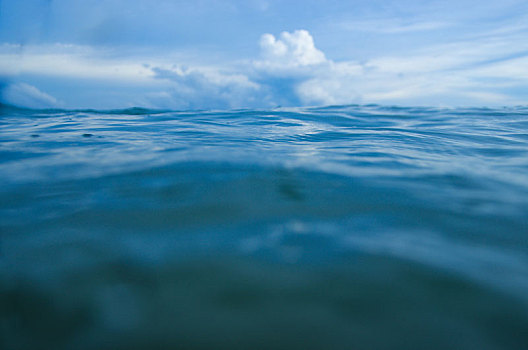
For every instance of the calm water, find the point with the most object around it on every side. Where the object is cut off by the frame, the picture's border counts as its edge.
(346, 227)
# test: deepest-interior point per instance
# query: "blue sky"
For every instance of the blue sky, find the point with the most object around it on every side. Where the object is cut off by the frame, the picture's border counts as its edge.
(262, 53)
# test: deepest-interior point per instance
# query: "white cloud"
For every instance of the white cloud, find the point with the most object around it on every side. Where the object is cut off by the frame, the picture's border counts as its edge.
(337, 83)
(25, 95)
(203, 88)
(279, 78)
(69, 61)
(291, 50)
(291, 71)
(392, 26)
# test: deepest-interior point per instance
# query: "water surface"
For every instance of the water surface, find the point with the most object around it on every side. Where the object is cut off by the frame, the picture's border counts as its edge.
(341, 227)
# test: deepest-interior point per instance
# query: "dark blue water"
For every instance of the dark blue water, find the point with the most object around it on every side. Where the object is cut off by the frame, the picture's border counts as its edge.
(346, 227)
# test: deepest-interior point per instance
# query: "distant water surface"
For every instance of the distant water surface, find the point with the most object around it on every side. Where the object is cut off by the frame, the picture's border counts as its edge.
(341, 227)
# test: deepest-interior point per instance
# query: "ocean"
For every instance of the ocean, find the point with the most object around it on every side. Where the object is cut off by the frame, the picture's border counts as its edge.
(339, 227)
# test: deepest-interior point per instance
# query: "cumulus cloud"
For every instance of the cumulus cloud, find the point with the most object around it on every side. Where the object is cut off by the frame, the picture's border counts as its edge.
(290, 50)
(290, 72)
(25, 95)
(295, 72)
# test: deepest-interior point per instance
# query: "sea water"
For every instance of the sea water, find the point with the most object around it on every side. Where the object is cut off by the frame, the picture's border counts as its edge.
(340, 227)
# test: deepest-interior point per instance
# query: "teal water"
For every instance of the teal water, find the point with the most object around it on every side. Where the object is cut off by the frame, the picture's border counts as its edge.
(342, 227)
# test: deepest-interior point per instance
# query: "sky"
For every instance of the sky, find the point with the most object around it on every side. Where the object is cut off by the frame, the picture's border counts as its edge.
(209, 54)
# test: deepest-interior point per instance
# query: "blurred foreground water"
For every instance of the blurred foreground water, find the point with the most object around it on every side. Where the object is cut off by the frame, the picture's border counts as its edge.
(343, 227)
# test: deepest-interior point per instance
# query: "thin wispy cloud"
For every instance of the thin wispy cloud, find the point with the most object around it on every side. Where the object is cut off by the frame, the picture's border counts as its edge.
(28, 96)
(390, 26)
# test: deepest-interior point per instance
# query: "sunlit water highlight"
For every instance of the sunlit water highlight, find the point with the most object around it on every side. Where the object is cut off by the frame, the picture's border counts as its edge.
(347, 227)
